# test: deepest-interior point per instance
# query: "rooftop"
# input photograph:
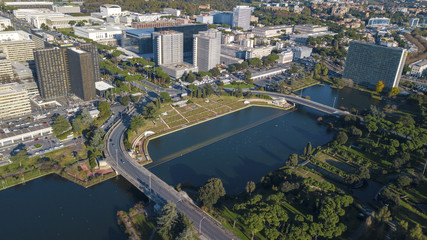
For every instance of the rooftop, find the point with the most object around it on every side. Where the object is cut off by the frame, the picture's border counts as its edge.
(102, 86)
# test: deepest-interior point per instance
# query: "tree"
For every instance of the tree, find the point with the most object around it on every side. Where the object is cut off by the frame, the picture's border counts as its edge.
(248, 77)
(232, 68)
(190, 77)
(250, 187)
(104, 108)
(383, 216)
(356, 132)
(210, 193)
(341, 138)
(86, 118)
(92, 161)
(403, 181)
(372, 127)
(255, 62)
(60, 125)
(186, 234)
(21, 156)
(167, 220)
(293, 160)
(77, 125)
(97, 140)
(394, 91)
(215, 72)
(254, 223)
(380, 86)
(363, 172)
(124, 100)
(416, 233)
(136, 122)
(165, 97)
(150, 111)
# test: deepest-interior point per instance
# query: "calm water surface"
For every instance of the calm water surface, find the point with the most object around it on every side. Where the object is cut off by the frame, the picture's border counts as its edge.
(54, 208)
(241, 146)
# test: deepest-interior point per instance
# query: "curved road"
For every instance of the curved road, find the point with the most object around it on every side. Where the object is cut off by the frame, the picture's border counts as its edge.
(155, 188)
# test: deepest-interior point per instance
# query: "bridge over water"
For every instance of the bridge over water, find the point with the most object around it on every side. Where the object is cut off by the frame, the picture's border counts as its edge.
(305, 102)
(155, 188)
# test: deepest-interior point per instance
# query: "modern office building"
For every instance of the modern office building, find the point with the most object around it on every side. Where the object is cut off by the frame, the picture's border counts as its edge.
(172, 11)
(17, 45)
(204, 18)
(138, 40)
(242, 17)
(367, 64)
(168, 47)
(301, 52)
(93, 50)
(188, 30)
(61, 71)
(82, 77)
(222, 18)
(14, 101)
(413, 22)
(207, 49)
(66, 8)
(53, 77)
(378, 22)
(6, 71)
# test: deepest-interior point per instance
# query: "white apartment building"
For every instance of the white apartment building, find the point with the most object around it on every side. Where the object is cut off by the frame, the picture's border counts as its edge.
(242, 17)
(207, 49)
(6, 71)
(14, 101)
(17, 45)
(4, 23)
(168, 47)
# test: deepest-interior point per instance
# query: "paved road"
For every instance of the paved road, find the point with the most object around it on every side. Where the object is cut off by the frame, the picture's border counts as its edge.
(158, 190)
(305, 102)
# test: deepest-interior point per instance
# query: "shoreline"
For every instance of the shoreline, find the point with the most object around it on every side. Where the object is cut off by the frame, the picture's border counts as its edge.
(146, 154)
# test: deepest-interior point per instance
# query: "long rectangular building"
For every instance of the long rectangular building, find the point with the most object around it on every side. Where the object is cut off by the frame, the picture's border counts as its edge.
(17, 45)
(367, 64)
(14, 101)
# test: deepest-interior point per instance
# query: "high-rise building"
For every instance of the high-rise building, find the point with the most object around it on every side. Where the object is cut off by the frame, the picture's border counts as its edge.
(222, 18)
(14, 101)
(53, 77)
(414, 22)
(168, 47)
(367, 64)
(207, 49)
(82, 77)
(188, 30)
(93, 50)
(17, 45)
(6, 71)
(242, 17)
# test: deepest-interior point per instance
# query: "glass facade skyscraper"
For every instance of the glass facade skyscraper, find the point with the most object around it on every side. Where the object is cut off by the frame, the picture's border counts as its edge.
(367, 64)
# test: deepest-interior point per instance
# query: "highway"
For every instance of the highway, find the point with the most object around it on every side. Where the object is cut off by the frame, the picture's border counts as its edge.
(155, 188)
(299, 100)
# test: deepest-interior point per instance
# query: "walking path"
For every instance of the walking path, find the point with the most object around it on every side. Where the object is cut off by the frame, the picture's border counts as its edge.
(179, 113)
(205, 108)
(161, 119)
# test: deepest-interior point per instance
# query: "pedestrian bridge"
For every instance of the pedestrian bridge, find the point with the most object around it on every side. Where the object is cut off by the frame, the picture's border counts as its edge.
(305, 102)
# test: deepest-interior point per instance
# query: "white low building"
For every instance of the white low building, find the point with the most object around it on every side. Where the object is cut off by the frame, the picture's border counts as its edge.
(273, 31)
(64, 22)
(110, 10)
(100, 32)
(12, 136)
(4, 23)
(66, 8)
(177, 70)
(285, 57)
(418, 68)
(171, 11)
(208, 19)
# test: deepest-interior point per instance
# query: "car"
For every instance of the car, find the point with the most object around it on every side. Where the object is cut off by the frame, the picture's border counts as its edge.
(36, 139)
(121, 160)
